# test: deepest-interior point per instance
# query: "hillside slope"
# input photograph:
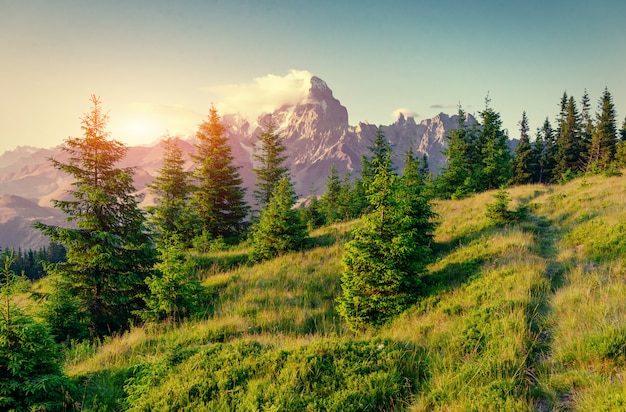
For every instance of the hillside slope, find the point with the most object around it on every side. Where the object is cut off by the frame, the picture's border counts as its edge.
(527, 316)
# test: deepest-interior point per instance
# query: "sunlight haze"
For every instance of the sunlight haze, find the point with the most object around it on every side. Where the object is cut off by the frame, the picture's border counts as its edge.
(158, 66)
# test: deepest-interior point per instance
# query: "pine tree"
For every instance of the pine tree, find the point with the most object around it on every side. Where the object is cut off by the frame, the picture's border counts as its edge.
(174, 287)
(109, 254)
(458, 178)
(414, 200)
(524, 162)
(383, 262)
(218, 196)
(604, 140)
(279, 228)
(568, 154)
(378, 151)
(352, 198)
(64, 312)
(620, 149)
(311, 214)
(330, 202)
(495, 157)
(355, 198)
(172, 188)
(545, 153)
(30, 360)
(587, 128)
(270, 159)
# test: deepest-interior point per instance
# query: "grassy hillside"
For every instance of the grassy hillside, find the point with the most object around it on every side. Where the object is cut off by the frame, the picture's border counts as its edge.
(527, 316)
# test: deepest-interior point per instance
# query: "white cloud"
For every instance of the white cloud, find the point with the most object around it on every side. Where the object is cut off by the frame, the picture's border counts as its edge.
(263, 95)
(406, 112)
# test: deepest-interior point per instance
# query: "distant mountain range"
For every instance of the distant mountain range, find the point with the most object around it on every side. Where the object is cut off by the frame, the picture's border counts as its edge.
(316, 134)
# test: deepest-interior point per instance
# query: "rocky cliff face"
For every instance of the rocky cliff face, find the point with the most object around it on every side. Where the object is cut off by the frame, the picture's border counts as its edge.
(316, 133)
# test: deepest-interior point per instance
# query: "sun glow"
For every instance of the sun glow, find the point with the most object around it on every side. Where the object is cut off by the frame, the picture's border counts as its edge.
(141, 131)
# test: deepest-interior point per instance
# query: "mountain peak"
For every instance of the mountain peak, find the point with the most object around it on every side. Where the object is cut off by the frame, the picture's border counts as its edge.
(320, 92)
(319, 84)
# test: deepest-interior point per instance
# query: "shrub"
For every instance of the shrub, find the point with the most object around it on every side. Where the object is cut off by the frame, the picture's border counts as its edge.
(174, 287)
(29, 357)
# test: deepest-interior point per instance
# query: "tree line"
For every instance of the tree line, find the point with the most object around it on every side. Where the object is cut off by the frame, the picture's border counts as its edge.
(31, 263)
(479, 158)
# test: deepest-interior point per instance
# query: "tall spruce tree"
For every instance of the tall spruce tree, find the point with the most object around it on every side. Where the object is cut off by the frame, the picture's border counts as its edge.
(458, 178)
(495, 157)
(269, 155)
(171, 216)
(109, 253)
(545, 153)
(378, 151)
(605, 137)
(587, 128)
(218, 196)
(414, 199)
(568, 154)
(383, 262)
(524, 162)
(280, 228)
(330, 202)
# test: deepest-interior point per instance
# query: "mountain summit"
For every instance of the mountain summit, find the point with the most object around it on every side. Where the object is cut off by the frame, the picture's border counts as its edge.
(315, 131)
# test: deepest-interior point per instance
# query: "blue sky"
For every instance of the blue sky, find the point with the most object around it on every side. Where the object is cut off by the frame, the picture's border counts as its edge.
(159, 65)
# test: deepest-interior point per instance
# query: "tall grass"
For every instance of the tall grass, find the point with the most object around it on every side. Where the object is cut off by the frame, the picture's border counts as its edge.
(526, 316)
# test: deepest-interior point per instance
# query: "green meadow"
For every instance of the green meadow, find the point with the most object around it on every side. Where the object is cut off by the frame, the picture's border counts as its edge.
(521, 316)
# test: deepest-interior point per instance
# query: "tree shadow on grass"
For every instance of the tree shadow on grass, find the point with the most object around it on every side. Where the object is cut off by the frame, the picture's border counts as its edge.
(455, 274)
(102, 390)
(222, 263)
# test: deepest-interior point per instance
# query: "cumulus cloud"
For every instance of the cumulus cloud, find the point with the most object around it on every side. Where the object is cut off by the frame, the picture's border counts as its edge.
(263, 95)
(406, 112)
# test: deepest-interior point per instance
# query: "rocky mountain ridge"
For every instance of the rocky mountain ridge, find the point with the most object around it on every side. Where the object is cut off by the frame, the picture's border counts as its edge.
(315, 131)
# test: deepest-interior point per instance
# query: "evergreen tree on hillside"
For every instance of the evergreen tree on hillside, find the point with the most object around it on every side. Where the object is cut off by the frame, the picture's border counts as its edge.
(568, 154)
(524, 162)
(545, 153)
(172, 188)
(218, 196)
(352, 197)
(495, 157)
(378, 151)
(354, 193)
(109, 253)
(30, 360)
(174, 287)
(605, 137)
(587, 128)
(330, 202)
(620, 148)
(389, 249)
(423, 167)
(270, 159)
(311, 214)
(414, 200)
(458, 178)
(279, 228)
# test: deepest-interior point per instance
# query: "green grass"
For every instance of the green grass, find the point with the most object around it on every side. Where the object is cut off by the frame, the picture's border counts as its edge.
(525, 316)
